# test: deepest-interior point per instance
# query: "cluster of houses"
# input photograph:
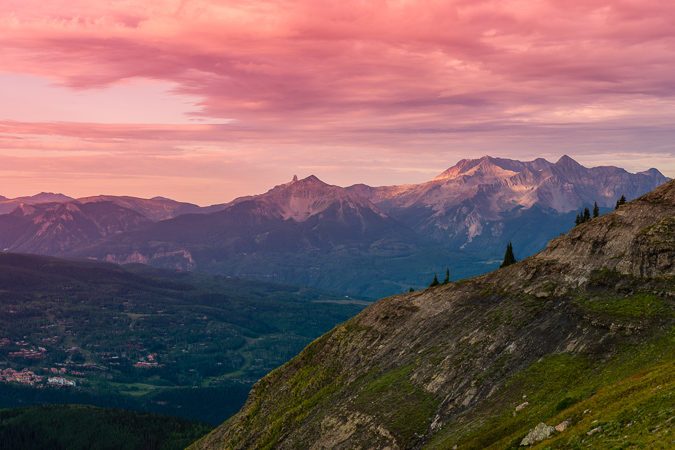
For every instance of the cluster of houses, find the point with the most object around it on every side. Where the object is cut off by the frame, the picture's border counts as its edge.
(147, 365)
(24, 353)
(25, 376)
(28, 354)
(151, 362)
(29, 377)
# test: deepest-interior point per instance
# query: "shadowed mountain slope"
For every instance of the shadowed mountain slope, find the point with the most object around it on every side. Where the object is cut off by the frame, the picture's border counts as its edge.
(589, 322)
(49, 228)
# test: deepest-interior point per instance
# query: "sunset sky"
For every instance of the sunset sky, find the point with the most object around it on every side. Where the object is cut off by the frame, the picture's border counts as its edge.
(205, 100)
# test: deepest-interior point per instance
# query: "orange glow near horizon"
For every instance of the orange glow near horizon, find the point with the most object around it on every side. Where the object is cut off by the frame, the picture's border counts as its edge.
(204, 100)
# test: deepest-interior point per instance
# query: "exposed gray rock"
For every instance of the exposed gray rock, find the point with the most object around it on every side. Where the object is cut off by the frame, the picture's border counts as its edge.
(538, 433)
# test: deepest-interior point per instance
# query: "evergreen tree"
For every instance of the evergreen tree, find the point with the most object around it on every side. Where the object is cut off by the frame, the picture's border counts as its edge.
(435, 282)
(411, 289)
(587, 215)
(509, 258)
(447, 276)
(578, 220)
(596, 210)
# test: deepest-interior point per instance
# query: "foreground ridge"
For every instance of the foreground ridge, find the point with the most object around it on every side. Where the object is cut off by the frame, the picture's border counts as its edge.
(450, 365)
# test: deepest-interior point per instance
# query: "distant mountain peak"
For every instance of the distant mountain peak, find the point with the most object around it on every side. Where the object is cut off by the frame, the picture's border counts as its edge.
(567, 161)
(476, 200)
(651, 172)
(311, 179)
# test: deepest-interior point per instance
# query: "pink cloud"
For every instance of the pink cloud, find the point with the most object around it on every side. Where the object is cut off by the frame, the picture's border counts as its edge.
(382, 77)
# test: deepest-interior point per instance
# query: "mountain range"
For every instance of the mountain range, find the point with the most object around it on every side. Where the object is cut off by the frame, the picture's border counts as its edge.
(474, 201)
(365, 240)
(570, 348)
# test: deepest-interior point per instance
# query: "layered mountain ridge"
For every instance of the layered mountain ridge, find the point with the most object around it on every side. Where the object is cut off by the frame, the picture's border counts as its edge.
(364, 240)
(293, 226)
(301, 199)
(579, 335)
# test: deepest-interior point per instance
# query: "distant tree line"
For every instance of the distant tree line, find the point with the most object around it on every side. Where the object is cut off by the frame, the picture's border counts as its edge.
(446, 281)
(585, 215)
(77, 427)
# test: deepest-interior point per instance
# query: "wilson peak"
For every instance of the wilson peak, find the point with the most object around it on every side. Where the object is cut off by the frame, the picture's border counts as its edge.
(578, 337)
(301, 199)
(301, 222)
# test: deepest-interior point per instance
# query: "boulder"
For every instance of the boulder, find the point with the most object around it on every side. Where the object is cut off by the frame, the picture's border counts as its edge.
(539, 433)
(562, 426)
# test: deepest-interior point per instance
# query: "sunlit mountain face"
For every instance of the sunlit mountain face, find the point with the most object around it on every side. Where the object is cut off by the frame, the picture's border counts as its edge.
(476, 200)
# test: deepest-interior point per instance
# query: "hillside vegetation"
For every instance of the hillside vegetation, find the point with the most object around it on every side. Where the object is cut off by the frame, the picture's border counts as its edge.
(148, 334)
(76, 427)
(584, 330)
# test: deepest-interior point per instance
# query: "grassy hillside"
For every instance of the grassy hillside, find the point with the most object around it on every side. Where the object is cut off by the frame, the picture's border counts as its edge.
(76, 427)
(584, 330)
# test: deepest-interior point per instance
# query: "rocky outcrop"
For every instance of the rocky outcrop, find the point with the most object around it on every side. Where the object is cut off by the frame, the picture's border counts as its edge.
(538, 433)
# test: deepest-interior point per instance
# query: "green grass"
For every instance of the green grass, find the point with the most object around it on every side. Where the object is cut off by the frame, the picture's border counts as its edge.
(662, 232)
(637, 412)
(635, 306)
(403, 407)
(636, 385)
